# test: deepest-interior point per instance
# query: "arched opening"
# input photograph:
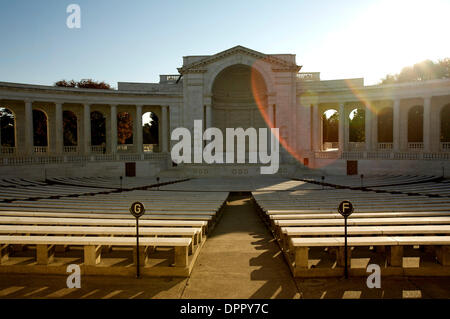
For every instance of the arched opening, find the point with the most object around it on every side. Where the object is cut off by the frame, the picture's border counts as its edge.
(40, 131)
(357, 129)
(330, 130)
(124, 131)
(385, 128)
(445, 128)
(150, 134)
(415, 127)
(239, 100)
(7, 131)
(98, 132)
(70, 131)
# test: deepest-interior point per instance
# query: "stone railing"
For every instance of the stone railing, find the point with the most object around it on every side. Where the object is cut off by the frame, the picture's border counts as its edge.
(415, 146)
(150, 148)
(125, 148)
(28, 160)
(356, 146)
(445, 146)
(385, 146)
(327, 155)
(40, 149)
(98, 149)
(355, 155)
(330, 145)
(70, 149)
(7, 150)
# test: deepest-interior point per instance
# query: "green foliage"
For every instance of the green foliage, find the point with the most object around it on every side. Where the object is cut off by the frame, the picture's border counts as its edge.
(331, 128)
(70, 129)
(422, 71)
(7, 128)
(39, 128)
(357, 127)
(151, 130)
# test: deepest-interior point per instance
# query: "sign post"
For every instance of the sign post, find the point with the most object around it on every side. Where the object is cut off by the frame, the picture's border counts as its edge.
(137, 209)
(345, 208)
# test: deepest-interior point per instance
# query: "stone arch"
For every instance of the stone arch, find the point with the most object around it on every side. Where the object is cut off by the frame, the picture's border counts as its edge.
(98, 129)
(150, 131)
(70, 128)
(445, 124)
(330, 128)
(239, 100)
(357, 125)
(236, 60)
(124, 128)
(415, 124)
(7, 127)
(40, 128)
(385, 125)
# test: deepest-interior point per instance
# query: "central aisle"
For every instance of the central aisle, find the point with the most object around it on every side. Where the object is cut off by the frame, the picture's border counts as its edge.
(240, 259)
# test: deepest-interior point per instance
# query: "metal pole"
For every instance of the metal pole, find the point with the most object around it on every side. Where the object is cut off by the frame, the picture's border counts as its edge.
(137, 247)
(345, 247)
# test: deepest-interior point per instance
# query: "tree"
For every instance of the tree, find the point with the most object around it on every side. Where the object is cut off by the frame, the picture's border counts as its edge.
(357, 126)
(7, 128)
(84, 84)
(151, 130)
(331, 127)
(98, 129)
(39, 128)
(124, 128)
(422, 71)
(70, 128)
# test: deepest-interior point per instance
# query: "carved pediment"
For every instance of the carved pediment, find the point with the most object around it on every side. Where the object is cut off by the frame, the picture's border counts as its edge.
(201, 65)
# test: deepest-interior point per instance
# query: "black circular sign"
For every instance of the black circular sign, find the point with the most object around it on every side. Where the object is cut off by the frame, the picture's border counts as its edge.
(137, 209)
(345, 208)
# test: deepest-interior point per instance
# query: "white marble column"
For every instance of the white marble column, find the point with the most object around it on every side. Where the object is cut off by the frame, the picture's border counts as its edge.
(113, 130)
(270, 115)
(396, 126)
(164, 128)
(316, 128)
(368, 127)
(29, 143)
(427, 124)
(87, 128)
(342, 127)
(374, 131)
(59, 129)
(139, 135)
(208, 116)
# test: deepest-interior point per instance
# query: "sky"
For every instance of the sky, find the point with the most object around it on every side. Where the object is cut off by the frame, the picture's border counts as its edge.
(136, 40)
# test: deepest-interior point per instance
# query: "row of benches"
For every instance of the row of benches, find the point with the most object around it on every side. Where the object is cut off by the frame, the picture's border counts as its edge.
(305, 221)
(102, 222)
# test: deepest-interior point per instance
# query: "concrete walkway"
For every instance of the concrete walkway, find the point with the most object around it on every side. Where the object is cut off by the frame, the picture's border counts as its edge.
(240, 259)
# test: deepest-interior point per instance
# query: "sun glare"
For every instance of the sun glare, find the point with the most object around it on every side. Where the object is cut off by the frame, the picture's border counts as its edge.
(383, 39)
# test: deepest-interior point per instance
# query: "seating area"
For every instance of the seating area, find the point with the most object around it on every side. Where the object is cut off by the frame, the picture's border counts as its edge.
(46, 226)
(404, 234)
(432, 186)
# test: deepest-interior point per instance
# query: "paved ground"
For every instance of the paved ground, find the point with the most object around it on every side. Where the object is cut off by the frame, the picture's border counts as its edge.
(239, 260)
